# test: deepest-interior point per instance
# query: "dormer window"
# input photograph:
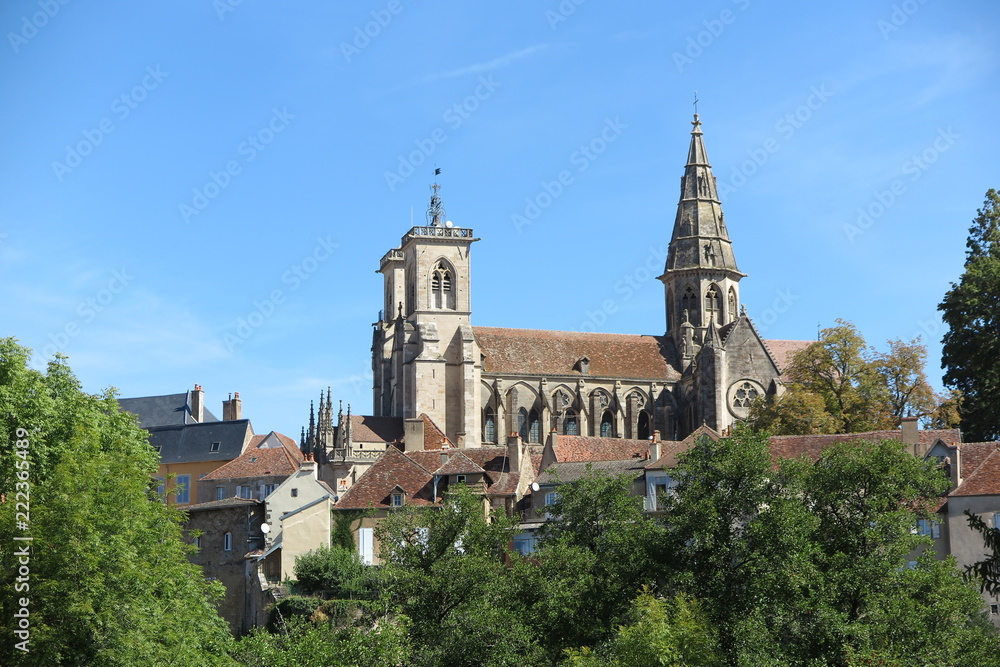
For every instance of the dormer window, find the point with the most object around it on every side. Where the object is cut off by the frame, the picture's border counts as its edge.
(583, 365)
(397, 499)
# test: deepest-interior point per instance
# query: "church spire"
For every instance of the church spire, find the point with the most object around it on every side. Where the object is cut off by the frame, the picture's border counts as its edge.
(701, 275)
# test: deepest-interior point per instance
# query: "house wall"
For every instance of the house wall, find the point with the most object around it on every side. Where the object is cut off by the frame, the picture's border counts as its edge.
(228, 567)
(966, 544)
(303, 532)
(297, 490)
(208, 489)
(196, 470)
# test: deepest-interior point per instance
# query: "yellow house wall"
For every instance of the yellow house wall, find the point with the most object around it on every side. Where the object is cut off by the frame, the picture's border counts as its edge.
(195, 469)
(303, 532)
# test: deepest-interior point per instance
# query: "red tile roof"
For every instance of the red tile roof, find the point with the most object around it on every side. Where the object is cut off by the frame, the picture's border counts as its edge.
(569, 448)
(973, 455)
(434, 438)
(556, 353)
(985, 479)
(394, 468)
(261, 462)
(365, 428)
(414, 473)
(782, 351)
(459, 464)
(793, 446)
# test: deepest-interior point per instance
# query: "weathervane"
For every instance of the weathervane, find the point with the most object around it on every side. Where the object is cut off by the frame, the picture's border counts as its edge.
(696, 102)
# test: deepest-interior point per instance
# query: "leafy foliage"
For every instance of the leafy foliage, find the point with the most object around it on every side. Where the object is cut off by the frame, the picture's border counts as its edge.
(443, 568)
(334, 572)
(594, 558)
(306, 643)
(667, 633)
(971, 310)
(986, 571)
(110, 583)
(840, 385)
(803, 562)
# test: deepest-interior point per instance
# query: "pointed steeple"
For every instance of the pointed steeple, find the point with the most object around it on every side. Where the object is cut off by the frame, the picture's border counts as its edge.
(700, 238)
(700, 276)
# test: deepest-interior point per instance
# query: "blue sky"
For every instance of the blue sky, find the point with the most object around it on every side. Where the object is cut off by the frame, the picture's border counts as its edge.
(173, 168)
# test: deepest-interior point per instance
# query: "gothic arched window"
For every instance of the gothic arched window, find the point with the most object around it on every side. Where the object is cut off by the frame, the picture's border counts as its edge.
(713, 303)
(489, 426)
(642, 428)
(522, 424)
(689, 305)
(534, 427)
(607, 425)
(570, 424)
(442, 287)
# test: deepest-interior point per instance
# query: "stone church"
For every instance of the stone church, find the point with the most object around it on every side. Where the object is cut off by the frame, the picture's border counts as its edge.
(480, 384)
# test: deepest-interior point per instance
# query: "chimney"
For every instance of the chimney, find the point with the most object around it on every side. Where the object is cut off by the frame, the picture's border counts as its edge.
(514, 452)
(654, 447)
(309, 466)
(955, 468)
(413, 434)
(197, 404)
(233, 408)
(910, 434)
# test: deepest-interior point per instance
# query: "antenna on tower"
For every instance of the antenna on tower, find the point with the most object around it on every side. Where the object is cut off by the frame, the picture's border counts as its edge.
(696, 102)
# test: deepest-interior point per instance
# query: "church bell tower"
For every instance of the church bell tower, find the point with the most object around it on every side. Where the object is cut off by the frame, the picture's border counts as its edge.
(701, 280)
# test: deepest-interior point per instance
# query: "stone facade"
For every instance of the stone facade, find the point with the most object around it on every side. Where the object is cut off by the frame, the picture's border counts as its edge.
(480, 384)
(225, 531)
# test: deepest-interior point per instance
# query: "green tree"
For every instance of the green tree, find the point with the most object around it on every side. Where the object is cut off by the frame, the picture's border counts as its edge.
(987, 571)
(741, 539)
(310, 643)
(971, 310)
(593, 558)
(444, 570)
(840, 385)
(334, 572)
(109, 583)
(662, 633)
(802, 562)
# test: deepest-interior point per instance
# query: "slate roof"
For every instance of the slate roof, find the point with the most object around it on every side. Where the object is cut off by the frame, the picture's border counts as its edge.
(193, 442)
(556, 353)
(166, 410)
(569, 448)
(793, 446)
(261, 462)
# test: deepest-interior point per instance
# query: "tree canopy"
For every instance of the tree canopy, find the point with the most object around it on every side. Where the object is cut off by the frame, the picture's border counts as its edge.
(971, 311)
(109, 582)
(801, 562)
(839, 384)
